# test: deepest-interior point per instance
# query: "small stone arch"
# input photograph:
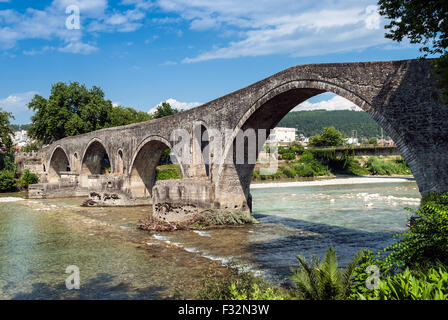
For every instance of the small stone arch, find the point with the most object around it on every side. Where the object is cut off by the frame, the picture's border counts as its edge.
(59, 162)
(142, 172)
(95, 161)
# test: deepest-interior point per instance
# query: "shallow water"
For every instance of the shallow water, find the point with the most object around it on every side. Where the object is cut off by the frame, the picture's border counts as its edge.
(39, 239)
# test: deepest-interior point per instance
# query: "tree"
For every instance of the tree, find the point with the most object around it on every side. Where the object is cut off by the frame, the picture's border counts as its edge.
(424, 22)
(120, 116)
(5, 129)
(163, 110)
(330, 137)
(72, 109)
(373, 140)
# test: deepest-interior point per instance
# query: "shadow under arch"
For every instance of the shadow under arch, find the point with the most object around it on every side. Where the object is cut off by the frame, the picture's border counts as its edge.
(268, 110)
(59, 162)
(201, 150)
(95, 161)
(142, 173)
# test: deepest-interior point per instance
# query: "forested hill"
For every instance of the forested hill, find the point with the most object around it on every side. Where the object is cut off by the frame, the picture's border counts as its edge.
(311, 123)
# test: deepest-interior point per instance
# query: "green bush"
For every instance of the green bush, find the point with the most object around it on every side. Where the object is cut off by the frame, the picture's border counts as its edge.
(288, 156)
(7, 181)
(168, 174)
(316, 166)
(236, 284)
(360, 274)
(255, 174)
(426, 241)
(378, 166)
(323, 280)
(288, 172)
(304, 170)
(431, 284)
(28, 178)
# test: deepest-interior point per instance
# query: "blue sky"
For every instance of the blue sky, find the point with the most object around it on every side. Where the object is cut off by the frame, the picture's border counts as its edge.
(142, 52)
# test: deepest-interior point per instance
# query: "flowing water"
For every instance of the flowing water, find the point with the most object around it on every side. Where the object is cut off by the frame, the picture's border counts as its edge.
(40, 239)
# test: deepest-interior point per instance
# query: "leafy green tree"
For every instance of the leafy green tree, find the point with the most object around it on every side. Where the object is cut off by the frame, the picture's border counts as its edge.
(120, 116)
(330, 137)
(424, 22)
(163, 110)
(5, 129)
(73, 109)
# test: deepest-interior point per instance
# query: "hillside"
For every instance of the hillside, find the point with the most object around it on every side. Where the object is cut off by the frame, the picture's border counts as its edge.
(311, 123)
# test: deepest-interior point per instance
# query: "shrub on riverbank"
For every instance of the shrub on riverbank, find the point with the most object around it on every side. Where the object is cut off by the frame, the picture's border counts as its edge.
(324, 280)
(7, 181)
(10, 183)
(377, 166)
(27, 178)
(237, 284)
(426, 242)
(430, 284)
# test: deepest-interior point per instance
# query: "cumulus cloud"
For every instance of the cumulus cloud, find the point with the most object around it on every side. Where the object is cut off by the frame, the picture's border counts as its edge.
(334, 103)
(177, 105)
(291, 29)
(50, 24)
(17, 104)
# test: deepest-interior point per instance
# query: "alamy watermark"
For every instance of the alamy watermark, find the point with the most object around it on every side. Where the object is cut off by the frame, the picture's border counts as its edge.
(73, 281)
(73, 21)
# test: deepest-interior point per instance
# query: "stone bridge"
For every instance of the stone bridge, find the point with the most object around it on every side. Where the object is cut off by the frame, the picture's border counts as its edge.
(399, 95)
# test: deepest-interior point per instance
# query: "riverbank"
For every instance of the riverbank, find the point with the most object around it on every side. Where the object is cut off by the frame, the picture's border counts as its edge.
(341, 180)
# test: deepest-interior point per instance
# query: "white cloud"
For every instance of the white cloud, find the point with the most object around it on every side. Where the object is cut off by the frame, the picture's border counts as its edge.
(335, 103)
(177, 105)
(17, 104)
(305, 34)
(78, 47)
(34, 52)
(296, 28)
(49, 24)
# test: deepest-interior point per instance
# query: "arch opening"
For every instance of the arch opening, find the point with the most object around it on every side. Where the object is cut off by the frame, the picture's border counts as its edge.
(151, 163)
(272, 111)
(59, 163)
(95, 162)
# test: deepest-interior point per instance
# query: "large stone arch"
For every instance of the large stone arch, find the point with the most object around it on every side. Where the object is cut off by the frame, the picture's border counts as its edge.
(265, 113)
(91, 164)
(58, 162)
(142, 172)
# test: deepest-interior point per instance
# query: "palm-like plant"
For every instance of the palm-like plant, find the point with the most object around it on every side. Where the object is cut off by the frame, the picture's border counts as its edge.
(324, 280)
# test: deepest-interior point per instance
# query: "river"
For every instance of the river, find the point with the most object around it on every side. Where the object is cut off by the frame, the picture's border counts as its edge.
(39, 239)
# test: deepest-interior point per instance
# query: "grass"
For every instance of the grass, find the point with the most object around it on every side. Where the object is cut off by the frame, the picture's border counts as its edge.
(168, 172)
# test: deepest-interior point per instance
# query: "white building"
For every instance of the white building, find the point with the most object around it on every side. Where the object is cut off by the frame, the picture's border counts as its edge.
(352, 141)
(20, 138)
(282, 135)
